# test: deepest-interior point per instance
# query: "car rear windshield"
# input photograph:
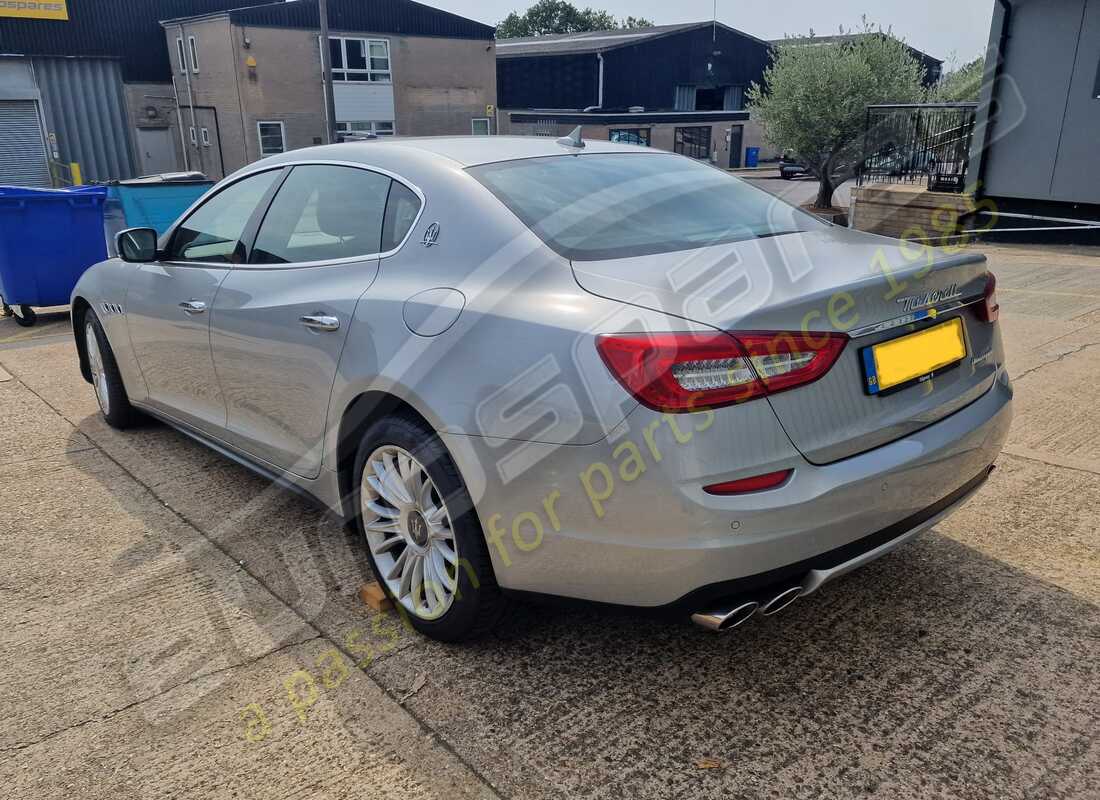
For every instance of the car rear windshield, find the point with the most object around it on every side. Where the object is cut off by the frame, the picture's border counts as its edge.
(617, 205)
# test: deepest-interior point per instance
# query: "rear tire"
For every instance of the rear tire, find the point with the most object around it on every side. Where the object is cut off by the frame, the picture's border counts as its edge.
(114, 404)
(457, 598)
(25, 317)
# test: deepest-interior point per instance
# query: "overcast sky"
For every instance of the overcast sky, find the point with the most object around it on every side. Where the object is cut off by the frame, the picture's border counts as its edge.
(941, 28)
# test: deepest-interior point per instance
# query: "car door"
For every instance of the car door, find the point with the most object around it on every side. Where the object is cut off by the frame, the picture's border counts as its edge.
(280, 321)
(168, 302)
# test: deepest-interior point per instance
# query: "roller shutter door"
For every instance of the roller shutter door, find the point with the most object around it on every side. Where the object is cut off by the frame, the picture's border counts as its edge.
(22, 151)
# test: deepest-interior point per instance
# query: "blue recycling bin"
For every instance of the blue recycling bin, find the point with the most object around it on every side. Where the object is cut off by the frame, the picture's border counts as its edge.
(48, 237)
(752, 156)
(148, 204)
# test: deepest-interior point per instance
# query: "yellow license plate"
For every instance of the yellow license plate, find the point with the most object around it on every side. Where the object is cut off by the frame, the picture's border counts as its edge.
(907, 358)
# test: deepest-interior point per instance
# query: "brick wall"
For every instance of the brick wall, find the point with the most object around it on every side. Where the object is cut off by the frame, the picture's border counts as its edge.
(908, 212)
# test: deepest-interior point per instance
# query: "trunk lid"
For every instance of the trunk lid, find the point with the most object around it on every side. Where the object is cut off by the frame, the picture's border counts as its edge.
(825, 280)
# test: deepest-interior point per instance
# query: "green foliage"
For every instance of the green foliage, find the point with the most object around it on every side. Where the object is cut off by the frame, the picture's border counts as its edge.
(960, 85)
(559, 16)
(815, 95)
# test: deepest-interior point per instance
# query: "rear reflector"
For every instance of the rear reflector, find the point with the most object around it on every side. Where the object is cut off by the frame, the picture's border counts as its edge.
(990, 309)
(682, 372)
(756, 483)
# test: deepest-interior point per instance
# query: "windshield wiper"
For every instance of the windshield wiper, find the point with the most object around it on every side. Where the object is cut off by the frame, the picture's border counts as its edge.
(769, 234)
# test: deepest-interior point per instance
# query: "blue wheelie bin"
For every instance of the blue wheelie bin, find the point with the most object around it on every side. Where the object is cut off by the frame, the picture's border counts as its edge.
(48, 237)
(155, 201)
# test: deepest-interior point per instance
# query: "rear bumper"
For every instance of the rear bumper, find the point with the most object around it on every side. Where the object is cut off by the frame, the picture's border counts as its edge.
(661, 542)
(813, 573)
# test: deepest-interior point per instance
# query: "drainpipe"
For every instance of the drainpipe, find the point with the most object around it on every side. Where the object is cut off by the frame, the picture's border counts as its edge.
(326, 74)
(179, 124)
(599, 98)
(190, 96)
(995, 81)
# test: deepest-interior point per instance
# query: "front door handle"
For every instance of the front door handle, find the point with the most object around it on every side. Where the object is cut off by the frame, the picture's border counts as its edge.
(318, 322)
(193, 306)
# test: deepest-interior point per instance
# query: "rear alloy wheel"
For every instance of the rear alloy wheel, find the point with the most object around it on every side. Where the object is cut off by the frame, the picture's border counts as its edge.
(105, 377)
(411, 535)
(424, 540)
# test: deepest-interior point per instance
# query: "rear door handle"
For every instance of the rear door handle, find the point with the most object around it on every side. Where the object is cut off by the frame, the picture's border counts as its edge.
(318, 322)
(193, 306)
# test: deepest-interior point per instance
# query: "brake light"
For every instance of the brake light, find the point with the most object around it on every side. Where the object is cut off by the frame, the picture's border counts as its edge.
(990, 309)
(682, 372)
(757, 483)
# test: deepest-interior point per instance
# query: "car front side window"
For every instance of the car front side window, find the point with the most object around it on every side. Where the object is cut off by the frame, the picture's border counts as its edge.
(215, 231)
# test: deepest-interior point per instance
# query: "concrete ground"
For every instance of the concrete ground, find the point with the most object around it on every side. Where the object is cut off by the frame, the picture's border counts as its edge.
(174, 627)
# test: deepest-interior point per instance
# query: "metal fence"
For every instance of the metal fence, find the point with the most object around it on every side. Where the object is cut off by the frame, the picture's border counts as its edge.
(917, 143)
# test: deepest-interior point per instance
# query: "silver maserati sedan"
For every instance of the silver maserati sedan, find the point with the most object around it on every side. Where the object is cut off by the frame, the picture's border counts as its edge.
(528, 367)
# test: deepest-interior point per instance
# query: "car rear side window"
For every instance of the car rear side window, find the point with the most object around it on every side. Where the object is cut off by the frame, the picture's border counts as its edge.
(617, 205)
(323, 213)
(214, 232)
(401, 211)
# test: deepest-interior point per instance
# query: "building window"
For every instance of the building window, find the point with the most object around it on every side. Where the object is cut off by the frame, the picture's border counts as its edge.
(205, 135)
(375, 127)
(179, 52)
(693, 142)
(194, 139)
(629, 136)
(479, 126)
(194, 53)
(710, 98)
(272, 138)
(360, 60)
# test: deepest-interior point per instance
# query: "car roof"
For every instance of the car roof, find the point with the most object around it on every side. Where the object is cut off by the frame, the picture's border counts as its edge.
(473, 150)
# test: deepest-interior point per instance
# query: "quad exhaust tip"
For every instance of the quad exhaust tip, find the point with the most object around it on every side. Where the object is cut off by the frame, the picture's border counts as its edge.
(781, 601)
(724, 619)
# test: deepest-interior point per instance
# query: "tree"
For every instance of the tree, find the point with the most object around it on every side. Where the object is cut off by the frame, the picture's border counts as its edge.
(559, 16)
(960, 85)
(814, 99)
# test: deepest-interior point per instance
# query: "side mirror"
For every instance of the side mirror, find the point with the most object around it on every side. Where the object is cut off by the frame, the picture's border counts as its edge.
(137, 245)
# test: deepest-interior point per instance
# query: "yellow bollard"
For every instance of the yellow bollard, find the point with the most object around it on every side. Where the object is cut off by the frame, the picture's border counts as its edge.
(78, 179)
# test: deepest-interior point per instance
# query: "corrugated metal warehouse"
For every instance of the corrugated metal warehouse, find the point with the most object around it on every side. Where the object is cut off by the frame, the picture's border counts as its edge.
(98, 83)
(64, 80)
(692, 76)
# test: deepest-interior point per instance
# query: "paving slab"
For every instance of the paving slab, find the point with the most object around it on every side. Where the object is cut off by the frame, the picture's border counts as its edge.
(145, 661)
(202, 740)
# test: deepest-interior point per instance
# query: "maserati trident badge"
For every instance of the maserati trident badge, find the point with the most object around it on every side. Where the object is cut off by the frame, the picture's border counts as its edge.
(431, 235)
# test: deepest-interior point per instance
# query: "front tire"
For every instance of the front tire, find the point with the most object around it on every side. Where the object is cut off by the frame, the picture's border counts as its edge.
(424, 541)
(25, 317)
(114, 404)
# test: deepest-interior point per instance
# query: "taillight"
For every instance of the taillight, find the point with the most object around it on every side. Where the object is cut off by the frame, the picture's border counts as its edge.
(990, 309)
(757, 483)
(683, 372)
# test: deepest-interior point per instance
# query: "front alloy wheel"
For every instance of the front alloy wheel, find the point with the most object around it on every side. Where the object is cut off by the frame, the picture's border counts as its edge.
(95, 367)
(409, 532)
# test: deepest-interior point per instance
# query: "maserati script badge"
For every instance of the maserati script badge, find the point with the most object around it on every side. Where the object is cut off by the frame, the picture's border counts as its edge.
(930, 298)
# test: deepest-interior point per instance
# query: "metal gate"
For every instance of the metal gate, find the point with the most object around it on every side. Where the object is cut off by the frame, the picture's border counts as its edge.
(23, 160)
(918, 142)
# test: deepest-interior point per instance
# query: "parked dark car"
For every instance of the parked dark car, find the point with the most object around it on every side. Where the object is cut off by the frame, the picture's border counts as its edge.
(790, 166)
